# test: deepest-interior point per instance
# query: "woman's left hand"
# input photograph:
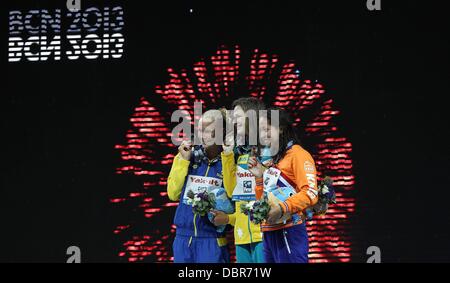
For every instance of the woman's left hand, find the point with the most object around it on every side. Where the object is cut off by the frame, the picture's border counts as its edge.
(275, 213)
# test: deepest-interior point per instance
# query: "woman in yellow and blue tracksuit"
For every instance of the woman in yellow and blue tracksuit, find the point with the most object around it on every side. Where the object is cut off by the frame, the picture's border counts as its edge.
(197, 240)
(240, 186)
(247, 235)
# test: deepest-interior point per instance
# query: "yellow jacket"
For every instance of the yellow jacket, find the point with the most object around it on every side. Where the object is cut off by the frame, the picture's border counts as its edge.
(245, 231)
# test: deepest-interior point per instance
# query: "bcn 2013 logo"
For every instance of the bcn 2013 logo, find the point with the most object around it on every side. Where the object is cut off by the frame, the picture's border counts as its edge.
(58, 34)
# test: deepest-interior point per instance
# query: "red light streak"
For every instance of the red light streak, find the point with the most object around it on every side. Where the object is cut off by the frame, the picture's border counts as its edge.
(147, 151)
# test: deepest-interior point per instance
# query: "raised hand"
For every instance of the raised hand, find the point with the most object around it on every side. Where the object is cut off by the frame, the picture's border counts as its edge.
(255, 167)
(185, 150)
(229, 143)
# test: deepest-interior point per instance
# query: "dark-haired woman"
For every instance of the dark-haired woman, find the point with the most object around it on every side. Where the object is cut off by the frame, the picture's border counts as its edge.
(240, 183)
(285, 237)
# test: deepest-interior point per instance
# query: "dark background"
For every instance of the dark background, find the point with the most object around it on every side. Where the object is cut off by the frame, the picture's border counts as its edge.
(388, 70)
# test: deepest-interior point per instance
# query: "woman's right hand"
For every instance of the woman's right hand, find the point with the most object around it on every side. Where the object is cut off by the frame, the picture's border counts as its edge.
(255, 167)
(228, 145)
(220, 217)
(185, 150)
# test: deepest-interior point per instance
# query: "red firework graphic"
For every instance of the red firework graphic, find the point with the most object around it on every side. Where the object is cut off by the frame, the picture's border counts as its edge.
(147, 153)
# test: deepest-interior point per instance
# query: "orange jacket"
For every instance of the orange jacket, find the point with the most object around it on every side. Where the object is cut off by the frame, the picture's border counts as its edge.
(297, 167)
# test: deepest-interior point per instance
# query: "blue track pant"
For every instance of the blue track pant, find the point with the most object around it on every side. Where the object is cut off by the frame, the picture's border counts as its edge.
(288, 245)
(199, 250)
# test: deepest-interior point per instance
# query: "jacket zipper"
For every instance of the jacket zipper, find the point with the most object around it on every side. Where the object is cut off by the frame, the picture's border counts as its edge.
(286, 241)
(195, 215)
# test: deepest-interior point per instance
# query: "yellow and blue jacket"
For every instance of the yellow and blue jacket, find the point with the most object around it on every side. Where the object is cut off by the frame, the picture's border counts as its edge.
(245, 231)
(187, 223)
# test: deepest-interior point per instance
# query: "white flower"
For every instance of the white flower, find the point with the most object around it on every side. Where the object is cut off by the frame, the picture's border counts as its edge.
(250, 204)
(325, 189)
(197, 199)
(240, 233)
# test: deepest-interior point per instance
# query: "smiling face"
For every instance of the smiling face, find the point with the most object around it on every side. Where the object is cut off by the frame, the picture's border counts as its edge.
(206, 131)
(239, 118)
(245, 120)
(269, 135)
(211, 128)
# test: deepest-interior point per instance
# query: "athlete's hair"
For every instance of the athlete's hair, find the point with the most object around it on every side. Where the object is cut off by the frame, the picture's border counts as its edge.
(212, 115)
(249, 103)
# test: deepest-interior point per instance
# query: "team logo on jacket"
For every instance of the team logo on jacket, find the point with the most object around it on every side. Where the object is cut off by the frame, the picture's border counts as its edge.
(312, 192)
(243, 159)
(247, 186)
(244, 174)
(205, 180)
(309, 167)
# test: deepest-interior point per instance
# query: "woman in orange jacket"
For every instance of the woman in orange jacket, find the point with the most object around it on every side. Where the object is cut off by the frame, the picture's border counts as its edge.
(285, 238)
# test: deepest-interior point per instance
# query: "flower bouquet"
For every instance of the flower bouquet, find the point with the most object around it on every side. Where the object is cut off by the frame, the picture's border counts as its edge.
(326, 196)
(257, 211)
(202, 201)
